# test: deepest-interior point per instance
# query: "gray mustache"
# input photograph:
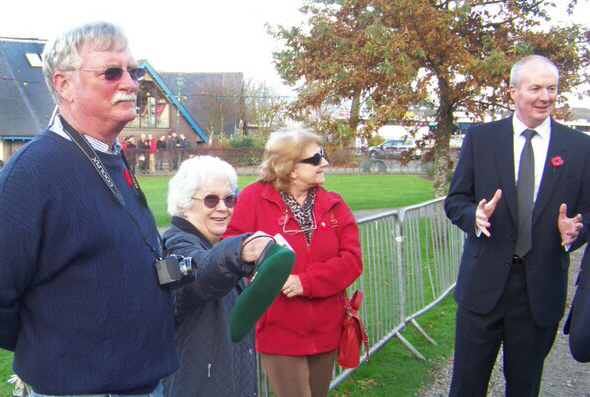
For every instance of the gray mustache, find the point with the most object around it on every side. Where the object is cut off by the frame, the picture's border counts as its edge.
(123, 96)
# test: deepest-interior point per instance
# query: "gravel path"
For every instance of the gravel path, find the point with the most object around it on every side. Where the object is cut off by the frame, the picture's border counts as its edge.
(562, 377)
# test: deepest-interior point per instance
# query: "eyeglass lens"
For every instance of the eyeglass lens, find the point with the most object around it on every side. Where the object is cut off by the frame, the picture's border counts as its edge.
(316, 159)
(212, 200)
(115, 73)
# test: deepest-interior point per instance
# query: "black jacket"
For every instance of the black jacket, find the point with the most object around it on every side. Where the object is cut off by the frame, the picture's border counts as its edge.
(210, 364)
(486, 163)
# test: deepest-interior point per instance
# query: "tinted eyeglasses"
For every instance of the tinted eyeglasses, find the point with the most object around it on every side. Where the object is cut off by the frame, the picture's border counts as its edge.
(211, 200)
(115, 73)
(313, 226)
(316, 159)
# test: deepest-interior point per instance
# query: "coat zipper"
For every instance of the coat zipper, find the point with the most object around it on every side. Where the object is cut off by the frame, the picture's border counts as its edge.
(307, 254)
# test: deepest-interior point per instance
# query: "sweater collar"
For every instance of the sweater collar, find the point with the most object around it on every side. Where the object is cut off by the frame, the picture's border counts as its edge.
(56, 126)
(185, 226)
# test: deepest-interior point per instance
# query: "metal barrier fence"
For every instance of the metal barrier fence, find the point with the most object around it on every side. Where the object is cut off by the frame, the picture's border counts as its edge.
(411, 258)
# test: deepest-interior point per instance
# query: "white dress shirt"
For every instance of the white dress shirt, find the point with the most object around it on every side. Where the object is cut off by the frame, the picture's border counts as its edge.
(540, 142)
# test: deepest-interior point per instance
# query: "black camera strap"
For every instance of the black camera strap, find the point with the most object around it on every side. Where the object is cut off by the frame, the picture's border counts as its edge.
(85, 147)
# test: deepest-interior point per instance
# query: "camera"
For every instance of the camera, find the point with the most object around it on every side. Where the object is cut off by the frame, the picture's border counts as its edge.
(175, 271)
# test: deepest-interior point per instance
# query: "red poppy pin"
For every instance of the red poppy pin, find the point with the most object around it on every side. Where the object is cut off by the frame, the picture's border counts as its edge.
(128, 177)
(556, 161)
(281, 220)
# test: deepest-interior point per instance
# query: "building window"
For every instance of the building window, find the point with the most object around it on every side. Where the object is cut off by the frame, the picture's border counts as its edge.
(34, 60)
(153, 110)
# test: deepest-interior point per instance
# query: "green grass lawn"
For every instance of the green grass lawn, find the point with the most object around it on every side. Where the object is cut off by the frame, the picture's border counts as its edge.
(361, 191)
(5, 372)
(393, 371)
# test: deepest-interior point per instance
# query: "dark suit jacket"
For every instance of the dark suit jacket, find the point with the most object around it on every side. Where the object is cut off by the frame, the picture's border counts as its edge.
(578, 322)
(486, 163)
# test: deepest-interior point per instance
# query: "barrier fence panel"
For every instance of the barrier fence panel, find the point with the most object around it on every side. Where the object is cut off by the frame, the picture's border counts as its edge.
(411, 258)
(432, 249)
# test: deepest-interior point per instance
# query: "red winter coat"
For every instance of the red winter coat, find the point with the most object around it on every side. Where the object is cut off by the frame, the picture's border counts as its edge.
(310, 323)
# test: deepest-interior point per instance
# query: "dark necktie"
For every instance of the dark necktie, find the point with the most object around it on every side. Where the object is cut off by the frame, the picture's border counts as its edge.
(525, 189)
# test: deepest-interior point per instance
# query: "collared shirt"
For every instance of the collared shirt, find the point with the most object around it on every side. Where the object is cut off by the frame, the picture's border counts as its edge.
(540, 142)
(99, 146)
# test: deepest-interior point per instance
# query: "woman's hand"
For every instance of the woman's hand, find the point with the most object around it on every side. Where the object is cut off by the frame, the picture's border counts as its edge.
(252, 246)
(292, 286)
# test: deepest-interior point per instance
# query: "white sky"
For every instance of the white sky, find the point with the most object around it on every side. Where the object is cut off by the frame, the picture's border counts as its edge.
(172, 35)
(181, 36)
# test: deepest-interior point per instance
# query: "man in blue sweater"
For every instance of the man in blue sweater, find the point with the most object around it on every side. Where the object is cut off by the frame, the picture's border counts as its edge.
(80, 302)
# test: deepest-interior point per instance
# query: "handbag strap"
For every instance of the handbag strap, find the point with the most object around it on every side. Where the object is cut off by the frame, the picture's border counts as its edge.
(351, 307)
(356, 299)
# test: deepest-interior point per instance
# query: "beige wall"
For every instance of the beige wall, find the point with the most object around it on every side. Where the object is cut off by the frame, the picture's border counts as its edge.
(9, 147)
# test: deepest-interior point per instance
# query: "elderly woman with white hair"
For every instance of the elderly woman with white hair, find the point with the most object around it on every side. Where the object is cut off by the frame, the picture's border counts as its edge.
(201, 201)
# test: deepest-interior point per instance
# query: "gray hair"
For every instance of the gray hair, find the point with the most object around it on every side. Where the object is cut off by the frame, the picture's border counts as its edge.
(283, 149)
(189, 177)
(515, 74)
(63, 53)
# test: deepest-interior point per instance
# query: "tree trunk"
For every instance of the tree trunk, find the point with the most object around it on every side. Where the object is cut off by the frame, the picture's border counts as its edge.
(211, 132)
(442, 154)
(353, 121)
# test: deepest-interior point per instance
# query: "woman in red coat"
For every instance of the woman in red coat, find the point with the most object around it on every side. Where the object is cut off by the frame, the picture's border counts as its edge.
(298, 335)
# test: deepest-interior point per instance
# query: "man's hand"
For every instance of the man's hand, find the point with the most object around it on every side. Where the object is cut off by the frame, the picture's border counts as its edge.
(484, 211)
(568, 227)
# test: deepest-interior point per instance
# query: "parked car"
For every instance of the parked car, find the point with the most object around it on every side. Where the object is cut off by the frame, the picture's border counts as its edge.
(394, 148)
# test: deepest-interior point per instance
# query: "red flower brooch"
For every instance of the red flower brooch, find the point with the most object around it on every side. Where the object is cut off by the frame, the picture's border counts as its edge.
(556, 161)
(128, 177)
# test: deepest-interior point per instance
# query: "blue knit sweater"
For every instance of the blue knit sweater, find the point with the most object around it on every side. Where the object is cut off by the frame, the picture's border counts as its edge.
(80, 303)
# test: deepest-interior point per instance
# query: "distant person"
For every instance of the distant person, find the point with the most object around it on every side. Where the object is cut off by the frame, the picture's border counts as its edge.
(201, 202)
(143, 153)
(80, 302)
(298, 335)
(170, 149)
(184, 145)
(131, 149)
(175, 145)
(152, 158)
(160, 151)
(519, 192)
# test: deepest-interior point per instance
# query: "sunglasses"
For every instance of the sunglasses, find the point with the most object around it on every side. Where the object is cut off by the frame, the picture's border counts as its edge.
(316, 159)
(292, 232)
(211, 200)
(115, 73)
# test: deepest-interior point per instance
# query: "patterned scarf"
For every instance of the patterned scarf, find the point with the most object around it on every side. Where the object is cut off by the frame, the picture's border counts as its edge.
(302, 213)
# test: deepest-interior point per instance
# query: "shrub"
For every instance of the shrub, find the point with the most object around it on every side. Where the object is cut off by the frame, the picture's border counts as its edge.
(236, 156)
(429, 168)
(340, 157)
(247, 141)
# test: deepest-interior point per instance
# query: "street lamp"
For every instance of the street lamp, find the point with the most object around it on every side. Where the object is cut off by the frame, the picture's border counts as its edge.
(177, 112)
(179, 84)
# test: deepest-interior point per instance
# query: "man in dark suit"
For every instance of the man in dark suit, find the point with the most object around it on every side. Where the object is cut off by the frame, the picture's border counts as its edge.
(516, 188)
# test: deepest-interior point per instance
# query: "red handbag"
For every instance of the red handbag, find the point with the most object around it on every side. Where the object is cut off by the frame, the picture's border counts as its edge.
(354, 332)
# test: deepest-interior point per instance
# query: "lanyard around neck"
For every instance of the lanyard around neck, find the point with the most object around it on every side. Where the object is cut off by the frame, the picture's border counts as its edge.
(85, 147)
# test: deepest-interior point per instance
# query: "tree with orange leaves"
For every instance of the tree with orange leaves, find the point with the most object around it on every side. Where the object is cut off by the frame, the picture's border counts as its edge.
(390, 56)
